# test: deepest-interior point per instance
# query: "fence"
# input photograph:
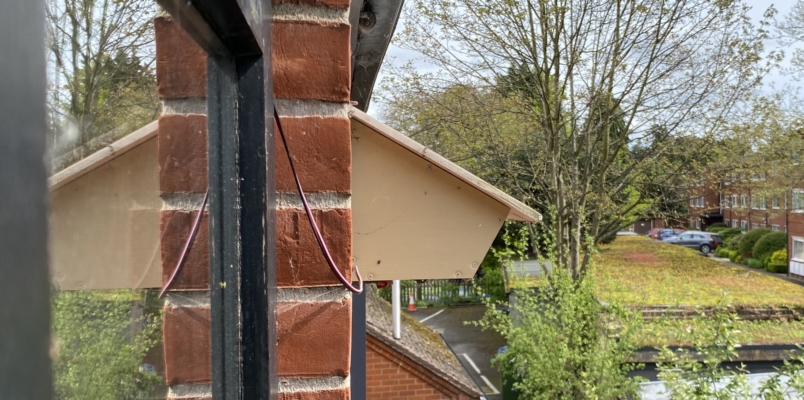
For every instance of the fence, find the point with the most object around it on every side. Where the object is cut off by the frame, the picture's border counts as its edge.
(442, 292)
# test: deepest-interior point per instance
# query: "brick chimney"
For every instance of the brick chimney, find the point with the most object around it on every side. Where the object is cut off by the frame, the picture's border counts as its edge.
(312, 75)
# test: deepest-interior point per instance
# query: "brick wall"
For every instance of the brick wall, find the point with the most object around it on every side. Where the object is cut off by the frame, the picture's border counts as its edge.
(392, 376)
(312, 75)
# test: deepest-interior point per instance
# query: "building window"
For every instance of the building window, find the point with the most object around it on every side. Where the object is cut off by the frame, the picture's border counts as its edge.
(742, 201)
(775, 202)
(692, 201)
(763, 203)
(798, 201)
(756, 226)
(734, 223)
(734, 203)
(798, 249)
(700, 202)
(744, 225)
(753, 202)
(725, 200)
(762, 176)
(698, 224)
(775, 228)
(727, 222)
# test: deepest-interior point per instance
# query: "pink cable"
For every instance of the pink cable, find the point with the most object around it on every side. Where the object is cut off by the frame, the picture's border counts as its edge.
(313, 224)
(187, 245)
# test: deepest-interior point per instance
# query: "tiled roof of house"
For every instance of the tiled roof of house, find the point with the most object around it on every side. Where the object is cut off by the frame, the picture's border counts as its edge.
(418, 342)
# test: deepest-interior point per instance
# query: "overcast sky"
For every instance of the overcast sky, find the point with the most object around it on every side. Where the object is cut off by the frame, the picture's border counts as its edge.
(399, 56)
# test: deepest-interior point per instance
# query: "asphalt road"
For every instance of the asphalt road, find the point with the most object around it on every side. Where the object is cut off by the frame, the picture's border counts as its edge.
(474, 347)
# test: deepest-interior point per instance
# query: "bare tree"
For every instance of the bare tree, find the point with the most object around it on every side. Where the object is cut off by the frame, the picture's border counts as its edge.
(101, 77)
(579, 85)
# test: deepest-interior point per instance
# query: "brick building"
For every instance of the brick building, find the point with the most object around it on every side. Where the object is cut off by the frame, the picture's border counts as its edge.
(751, 201)
(418, 366)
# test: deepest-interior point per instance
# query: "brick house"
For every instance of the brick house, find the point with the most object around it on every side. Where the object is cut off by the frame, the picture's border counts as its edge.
(418, 366)
(750, 201)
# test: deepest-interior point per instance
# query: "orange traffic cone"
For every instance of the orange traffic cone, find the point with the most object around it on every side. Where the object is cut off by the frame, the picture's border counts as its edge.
(411, 305)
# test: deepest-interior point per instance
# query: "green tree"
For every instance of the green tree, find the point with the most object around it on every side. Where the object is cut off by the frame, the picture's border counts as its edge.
(549, 98)
(100, 339)
(101, 69)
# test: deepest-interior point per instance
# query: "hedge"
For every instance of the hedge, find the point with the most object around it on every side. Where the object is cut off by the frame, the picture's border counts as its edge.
(778, 261)
(729, 233)
(754, 263)
(748, 241)
(767, 245)
(717, 225)
(733, 242)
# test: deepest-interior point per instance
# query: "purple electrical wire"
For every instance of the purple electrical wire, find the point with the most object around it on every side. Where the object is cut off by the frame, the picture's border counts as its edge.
(187, 245)
(311, 218)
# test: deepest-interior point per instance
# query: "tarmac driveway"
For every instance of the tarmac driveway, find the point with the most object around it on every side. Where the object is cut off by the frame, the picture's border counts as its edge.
(474, 347)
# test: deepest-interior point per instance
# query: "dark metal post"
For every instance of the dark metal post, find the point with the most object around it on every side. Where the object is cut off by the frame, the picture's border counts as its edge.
(357, 375)
(25, 371)
(239, 248)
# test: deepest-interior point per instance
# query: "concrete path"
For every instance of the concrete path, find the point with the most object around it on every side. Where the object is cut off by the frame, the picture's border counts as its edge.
(474, 347)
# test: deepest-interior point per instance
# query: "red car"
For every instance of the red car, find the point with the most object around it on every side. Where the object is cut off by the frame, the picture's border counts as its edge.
(661, 233)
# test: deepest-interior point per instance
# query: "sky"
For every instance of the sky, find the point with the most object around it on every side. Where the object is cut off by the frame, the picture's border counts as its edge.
(398, 56)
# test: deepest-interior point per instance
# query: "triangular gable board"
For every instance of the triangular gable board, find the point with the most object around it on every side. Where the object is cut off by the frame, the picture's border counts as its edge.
(416, 215)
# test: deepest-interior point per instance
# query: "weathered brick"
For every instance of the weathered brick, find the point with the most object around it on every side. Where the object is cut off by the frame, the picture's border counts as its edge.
(186, 333)
(322, 152)
(181, 64)
(299, 258)
(311, 60)
(176, 227)
(340, 394)
(314, 339)
(182, 153)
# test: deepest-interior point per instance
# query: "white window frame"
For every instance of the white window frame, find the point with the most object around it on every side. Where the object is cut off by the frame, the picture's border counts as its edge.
(797, 208)
(775, 202)
(763, 203)
(794, 255)
(692, 201)
(698, 224)
(727, 222)
(753, 202)
(756, 226)
(742, 201)
(734, 203)
(735, 223)
(744, 225)
(776, 228)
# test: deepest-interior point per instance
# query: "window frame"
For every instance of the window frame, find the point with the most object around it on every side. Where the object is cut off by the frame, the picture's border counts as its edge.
(796, 240)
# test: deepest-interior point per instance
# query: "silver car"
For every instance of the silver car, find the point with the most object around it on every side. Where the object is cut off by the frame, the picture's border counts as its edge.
(698, 240)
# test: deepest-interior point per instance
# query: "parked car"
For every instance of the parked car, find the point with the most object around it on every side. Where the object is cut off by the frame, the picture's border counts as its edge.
(666, 233)
(703, 241)
(652, 233)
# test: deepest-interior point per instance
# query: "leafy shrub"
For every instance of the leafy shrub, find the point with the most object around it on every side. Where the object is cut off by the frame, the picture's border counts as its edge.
(733, 242)
(717, 227)
(722, 252)
(748, 241)
(754, 263)
(767, 245)
(778, 261)
(729, 233)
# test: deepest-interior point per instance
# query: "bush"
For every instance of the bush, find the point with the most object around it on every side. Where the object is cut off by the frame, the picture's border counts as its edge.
(717, 227)
(754, 263)
(767, 245)
(733, 243)
(778, 261)
(722, 252)
(729, 233)
(748, 241)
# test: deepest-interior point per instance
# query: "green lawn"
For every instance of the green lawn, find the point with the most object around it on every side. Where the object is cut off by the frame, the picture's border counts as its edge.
(679, 332)
(639, 271)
